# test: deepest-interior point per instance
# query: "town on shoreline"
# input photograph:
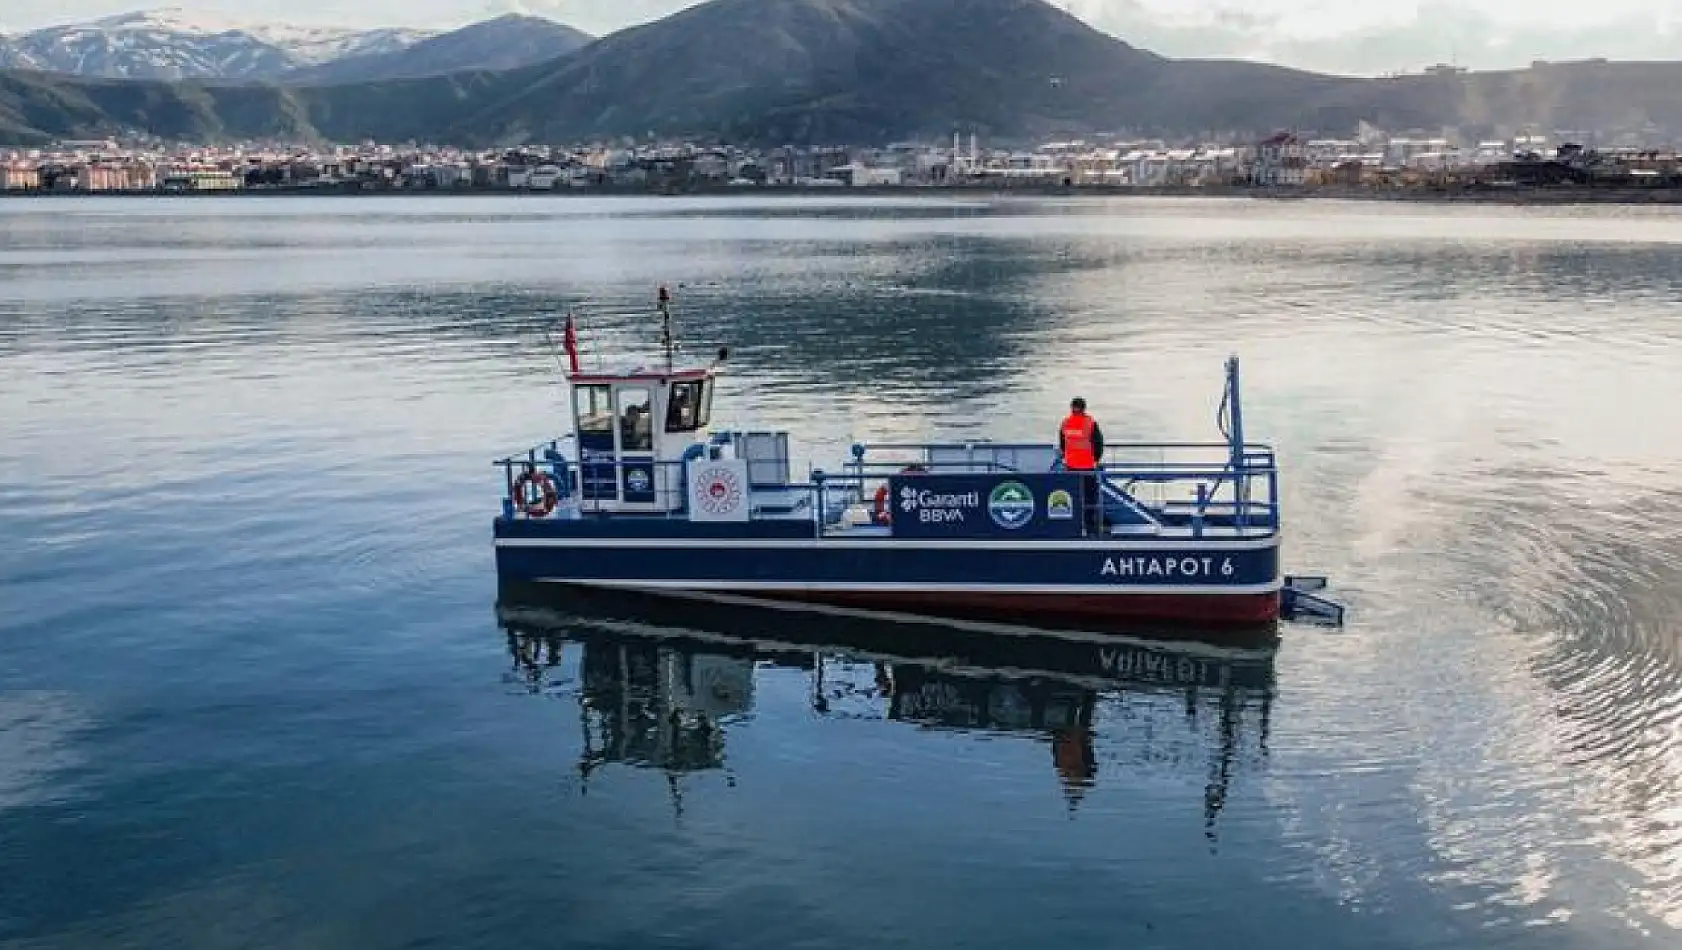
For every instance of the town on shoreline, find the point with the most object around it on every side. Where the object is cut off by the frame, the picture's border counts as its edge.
(1528, 169)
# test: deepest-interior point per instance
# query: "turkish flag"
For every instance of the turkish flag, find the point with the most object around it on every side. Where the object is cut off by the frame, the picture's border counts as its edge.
(570, 342)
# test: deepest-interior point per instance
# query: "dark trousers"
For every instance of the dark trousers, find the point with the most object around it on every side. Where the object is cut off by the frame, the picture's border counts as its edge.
(1092, 501)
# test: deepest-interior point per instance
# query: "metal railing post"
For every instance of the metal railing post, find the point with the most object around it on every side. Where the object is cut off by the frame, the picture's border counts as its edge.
(818, 506)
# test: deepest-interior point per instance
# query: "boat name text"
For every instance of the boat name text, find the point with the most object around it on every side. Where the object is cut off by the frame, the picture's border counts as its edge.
(1149, 665)
(1156, 565)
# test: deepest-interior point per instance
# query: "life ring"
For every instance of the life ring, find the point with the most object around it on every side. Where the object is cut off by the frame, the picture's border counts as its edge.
(885, 510)
(535, 507)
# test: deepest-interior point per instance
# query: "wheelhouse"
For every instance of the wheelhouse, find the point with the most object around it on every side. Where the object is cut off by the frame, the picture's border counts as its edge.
(632, 431)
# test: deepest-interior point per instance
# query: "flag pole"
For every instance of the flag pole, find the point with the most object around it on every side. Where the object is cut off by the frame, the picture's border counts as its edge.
(666, 325)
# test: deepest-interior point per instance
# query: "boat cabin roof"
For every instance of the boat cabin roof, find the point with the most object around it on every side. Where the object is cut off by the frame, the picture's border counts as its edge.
(639, 374)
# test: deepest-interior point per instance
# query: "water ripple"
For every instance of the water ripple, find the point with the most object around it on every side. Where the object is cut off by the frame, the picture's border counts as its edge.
(277, 472)
(38, 746)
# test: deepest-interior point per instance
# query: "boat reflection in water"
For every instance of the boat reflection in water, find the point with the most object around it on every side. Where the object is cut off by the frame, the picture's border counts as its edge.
(659, 683)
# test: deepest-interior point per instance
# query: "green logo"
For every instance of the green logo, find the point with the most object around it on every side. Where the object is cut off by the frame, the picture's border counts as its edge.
(1011, 505)
(1059, 506)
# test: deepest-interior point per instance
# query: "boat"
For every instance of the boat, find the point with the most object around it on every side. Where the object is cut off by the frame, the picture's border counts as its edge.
(646, 494)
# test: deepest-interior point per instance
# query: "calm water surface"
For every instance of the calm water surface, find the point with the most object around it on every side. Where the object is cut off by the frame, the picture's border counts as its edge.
(254, 690)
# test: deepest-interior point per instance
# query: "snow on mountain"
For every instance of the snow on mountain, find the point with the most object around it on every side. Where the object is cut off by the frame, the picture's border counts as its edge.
(167, 20)
(315, 44)
(147, 53)
(13, 58)
(173, 43)
(307, 44)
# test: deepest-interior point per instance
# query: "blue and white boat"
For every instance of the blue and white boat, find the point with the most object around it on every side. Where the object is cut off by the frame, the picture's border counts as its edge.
(646, 494)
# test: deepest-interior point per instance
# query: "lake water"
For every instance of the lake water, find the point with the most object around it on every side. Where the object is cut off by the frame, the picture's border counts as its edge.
(255, 691)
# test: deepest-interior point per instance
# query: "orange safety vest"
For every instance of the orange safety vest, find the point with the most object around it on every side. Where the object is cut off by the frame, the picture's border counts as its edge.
(1078, 451)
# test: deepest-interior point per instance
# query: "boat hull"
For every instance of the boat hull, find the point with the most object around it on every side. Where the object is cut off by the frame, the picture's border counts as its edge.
(1097, 586)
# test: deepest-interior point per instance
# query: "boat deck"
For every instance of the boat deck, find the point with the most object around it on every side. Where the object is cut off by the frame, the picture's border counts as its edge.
(1157, 491)
(1112, 531)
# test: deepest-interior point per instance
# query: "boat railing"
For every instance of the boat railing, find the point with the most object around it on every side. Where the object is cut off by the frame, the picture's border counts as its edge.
(1174, 482)
(591, 487)
(602, 486)
(1183, 483)
(1041, 457)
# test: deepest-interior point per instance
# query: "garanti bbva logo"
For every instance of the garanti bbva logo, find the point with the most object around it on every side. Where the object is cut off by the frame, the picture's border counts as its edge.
(933, 507)
(1011, 505)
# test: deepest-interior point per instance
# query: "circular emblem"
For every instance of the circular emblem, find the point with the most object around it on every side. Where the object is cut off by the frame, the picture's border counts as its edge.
(1011, 505)
(637, 480)
(717, 491)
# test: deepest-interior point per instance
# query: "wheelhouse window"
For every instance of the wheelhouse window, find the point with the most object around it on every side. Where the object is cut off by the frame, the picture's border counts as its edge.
(690, 407)
(636, 427)
(594, 405)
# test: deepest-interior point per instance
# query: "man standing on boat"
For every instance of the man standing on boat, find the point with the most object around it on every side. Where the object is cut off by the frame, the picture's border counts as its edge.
(1081, 443)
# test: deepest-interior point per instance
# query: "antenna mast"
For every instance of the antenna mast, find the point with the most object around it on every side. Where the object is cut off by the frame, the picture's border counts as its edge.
(666, 325)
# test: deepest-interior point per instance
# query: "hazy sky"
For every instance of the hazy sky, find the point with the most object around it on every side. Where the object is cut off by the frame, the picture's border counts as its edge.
(1347, 36)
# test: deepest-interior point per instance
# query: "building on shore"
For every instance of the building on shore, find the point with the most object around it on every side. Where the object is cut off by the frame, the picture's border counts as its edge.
(200, 179)
(1280, 159)
(859, 175)
(1370, 158)
(19, 176)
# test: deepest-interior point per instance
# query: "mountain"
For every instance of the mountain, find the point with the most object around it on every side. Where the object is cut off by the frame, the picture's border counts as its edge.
(847, 71)
(864, 71)
(36, 108)
(311, 45)
(13, 58)
(873, 70)
(503, 43)
(174, 44)
(140, 46)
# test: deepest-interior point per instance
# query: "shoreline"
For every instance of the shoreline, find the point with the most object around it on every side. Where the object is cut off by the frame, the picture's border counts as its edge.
(1550, 196)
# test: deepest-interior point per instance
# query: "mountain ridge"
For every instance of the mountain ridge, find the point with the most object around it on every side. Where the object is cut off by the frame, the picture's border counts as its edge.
(864, 70)
(850, 72)
(175, 44)
(504, 42)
